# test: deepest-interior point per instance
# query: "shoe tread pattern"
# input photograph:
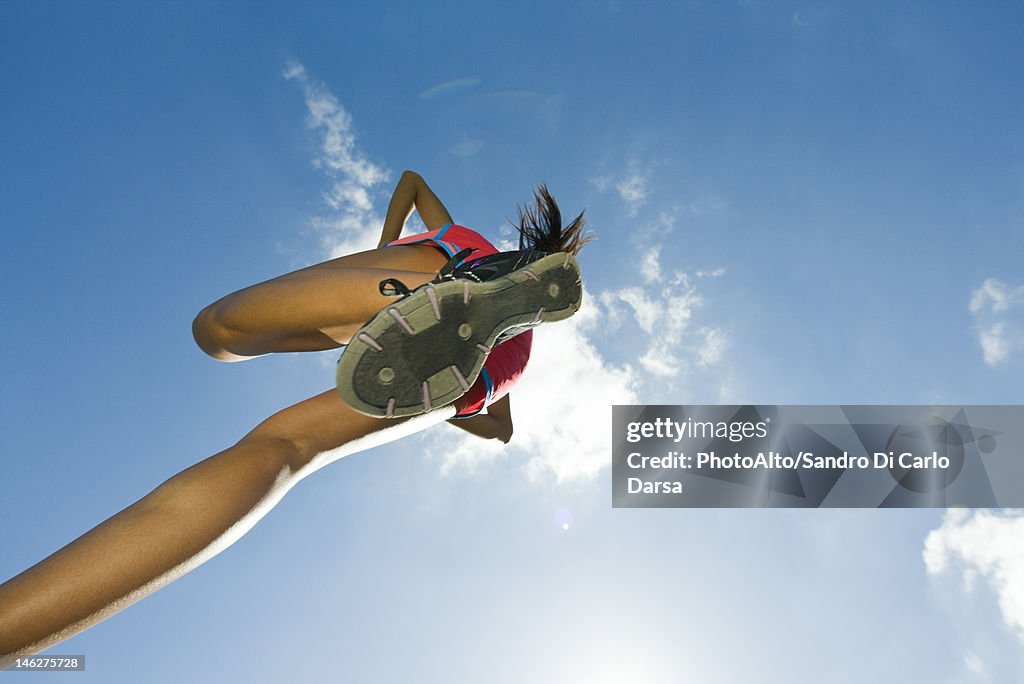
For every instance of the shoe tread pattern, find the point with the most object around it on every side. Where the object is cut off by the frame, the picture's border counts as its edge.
(427, 355)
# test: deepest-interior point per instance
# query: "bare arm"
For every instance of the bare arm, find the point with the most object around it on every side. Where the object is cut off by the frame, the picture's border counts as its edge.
(412, 192)
(495, 424)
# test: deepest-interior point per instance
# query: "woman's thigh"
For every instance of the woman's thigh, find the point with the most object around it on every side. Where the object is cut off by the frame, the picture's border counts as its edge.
(315, 308)
(423, 257)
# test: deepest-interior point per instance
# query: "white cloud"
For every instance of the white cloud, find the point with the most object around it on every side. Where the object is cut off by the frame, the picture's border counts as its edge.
(354, 226)
(995, 346)
(466, 147)
(716, 273)
(633, 191)
(996, 296)
(664, 314)
(631, 186)
(659, 360)
(998, 311)
(704, 204)
(985, 546)
(602, 183)
(650, 265)
(646, 309)
(975, 665)
(714, 346)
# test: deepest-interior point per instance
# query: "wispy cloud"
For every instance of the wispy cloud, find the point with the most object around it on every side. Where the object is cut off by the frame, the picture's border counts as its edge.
(351, 225)
(798, 22)
(664, 316)
(633, 191)
(983, 546)
(466, 147)
(714, 273)
(631, 186)
(650, 265)
(998, 311)
(975, 665)
(457, 85)
(663, 306)
(712, 347)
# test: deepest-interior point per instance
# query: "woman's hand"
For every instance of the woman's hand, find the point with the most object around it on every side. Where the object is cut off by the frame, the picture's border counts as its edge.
(495, 424)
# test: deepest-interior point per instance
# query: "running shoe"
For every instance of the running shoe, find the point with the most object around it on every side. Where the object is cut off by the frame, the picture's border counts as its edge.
(426, 350)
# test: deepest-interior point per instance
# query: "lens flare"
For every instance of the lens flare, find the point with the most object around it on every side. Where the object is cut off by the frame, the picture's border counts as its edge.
(563, 518)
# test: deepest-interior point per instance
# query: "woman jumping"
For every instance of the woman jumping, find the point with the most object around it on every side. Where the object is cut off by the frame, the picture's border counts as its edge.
(437, 329)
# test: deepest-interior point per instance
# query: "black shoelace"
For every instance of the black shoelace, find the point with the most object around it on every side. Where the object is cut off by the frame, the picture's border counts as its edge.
(393, 287)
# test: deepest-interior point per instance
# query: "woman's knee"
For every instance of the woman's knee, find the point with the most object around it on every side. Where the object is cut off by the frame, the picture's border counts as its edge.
(214, 334)
(287, 449)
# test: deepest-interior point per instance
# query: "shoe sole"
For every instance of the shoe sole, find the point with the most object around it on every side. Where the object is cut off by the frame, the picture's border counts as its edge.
(426, 350)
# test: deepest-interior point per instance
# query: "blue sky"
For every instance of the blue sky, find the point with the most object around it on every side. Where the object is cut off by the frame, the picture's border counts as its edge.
(794, 203)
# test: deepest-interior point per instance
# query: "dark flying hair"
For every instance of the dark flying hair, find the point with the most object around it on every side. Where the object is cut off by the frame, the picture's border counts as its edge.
(540, 226)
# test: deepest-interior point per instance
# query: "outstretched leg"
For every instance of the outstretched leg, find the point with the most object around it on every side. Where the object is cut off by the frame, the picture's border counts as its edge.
(316, 308)
(184, 522)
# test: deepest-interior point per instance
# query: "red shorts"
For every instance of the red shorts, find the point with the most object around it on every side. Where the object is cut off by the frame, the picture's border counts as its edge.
(506, 361)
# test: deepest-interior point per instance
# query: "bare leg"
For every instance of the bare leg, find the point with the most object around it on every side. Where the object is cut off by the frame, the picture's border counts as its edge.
(201, 511)
(184, 522)
(312, 309)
